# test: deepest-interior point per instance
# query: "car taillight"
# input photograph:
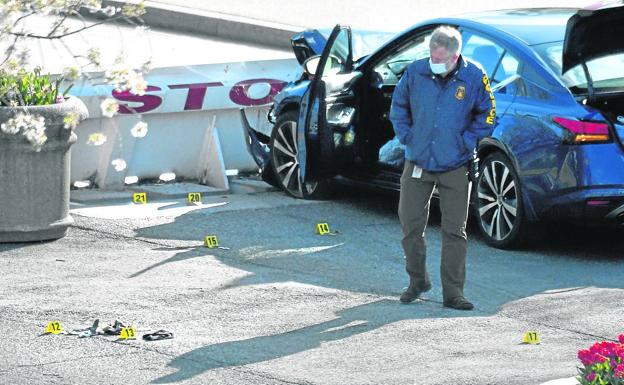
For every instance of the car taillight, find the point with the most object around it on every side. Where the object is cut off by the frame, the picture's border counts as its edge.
(584, 132)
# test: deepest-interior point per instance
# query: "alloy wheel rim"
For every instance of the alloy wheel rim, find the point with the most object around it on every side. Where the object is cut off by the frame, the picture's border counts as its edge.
(497, 197)
(287, 168)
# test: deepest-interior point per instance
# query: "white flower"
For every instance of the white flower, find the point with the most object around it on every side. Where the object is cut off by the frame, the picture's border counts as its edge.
(139, 130)
(36, 137)
(119, 164)
(118, 77)
(109, 11)
(33, 135)
(123, 78)
(70, 121)
(9, 128)
(136, 83)
(38, 122)
(115, 76)
(31, 126)
(96, 139)
(109, 107)
(94, 7)
(94, 56)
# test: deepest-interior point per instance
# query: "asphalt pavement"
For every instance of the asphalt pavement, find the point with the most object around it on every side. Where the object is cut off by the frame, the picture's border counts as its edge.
(284, 305)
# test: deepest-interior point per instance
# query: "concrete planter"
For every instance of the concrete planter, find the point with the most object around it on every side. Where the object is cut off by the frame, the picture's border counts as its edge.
(34, 186)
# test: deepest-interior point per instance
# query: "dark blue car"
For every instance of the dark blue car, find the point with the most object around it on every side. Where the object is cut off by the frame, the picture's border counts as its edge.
(557, 152)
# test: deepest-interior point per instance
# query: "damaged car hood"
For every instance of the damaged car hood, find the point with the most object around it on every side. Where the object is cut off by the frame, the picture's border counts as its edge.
(311, 42)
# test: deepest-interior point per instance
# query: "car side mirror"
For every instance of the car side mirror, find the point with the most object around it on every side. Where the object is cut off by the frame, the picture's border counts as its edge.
(333, 65)
(311, 64)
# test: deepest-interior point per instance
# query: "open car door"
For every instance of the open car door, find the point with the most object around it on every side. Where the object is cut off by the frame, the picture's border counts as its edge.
(327, 110)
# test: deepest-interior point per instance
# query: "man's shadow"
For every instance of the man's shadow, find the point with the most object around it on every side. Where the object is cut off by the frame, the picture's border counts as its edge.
(349, 322)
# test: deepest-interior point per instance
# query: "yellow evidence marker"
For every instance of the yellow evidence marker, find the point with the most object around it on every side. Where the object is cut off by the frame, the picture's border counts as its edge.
(532, 338)
(139, 198)
(128, 333)
(54, 327)
(194, 198)
(323, 229)
(211, 241)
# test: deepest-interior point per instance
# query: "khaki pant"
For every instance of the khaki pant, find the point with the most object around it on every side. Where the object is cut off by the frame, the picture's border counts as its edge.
(454, 189)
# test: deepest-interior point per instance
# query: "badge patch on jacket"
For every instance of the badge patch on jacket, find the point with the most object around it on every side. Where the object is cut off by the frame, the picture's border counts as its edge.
(460, 93)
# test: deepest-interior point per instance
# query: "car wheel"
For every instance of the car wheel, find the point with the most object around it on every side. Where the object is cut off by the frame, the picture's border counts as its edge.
(498, 203)
(284, 162)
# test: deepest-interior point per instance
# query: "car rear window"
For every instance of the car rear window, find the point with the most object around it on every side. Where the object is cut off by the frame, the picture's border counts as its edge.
(607, 72)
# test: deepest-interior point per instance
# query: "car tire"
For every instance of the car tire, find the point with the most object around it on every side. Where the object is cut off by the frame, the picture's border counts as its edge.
(498, 205)
(284, 163)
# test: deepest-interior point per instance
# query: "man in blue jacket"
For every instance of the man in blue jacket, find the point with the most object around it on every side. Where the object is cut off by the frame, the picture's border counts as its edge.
(441, 108)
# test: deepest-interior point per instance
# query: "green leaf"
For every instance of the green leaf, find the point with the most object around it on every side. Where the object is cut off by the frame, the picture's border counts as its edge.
(67, 90)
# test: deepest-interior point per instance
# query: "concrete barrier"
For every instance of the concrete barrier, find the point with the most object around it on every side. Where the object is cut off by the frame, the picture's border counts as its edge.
(193, 122)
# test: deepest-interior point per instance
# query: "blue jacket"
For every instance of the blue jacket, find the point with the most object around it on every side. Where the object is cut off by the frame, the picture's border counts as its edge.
(440, 121)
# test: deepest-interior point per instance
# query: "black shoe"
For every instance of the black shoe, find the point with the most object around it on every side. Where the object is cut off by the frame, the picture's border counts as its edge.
(411, 293)
(459, 303)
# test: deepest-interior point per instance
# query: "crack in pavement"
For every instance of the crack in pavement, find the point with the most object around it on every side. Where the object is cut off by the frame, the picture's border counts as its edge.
(578, 332)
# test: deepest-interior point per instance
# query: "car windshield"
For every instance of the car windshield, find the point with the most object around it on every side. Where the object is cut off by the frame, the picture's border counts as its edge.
(364, 42)
(607, 72)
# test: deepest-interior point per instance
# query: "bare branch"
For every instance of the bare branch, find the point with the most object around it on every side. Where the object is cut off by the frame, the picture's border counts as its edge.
(22, 34)
(58, 25)
(10, 51)
(22, 18)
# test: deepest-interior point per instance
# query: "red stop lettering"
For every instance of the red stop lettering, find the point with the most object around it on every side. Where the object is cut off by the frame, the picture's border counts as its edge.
(196, 93)
(239, 94)
(150, 102)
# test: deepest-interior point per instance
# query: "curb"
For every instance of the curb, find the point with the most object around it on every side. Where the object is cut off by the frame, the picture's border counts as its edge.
(154, 192)
(177, 190)
(201, 22)
(562, 381)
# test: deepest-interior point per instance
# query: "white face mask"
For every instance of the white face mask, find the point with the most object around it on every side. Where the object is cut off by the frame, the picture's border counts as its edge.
(437, 68)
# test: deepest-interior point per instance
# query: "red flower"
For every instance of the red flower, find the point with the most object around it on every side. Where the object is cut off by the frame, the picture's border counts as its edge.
(608, 352)
(586, 357)
(599, 358)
